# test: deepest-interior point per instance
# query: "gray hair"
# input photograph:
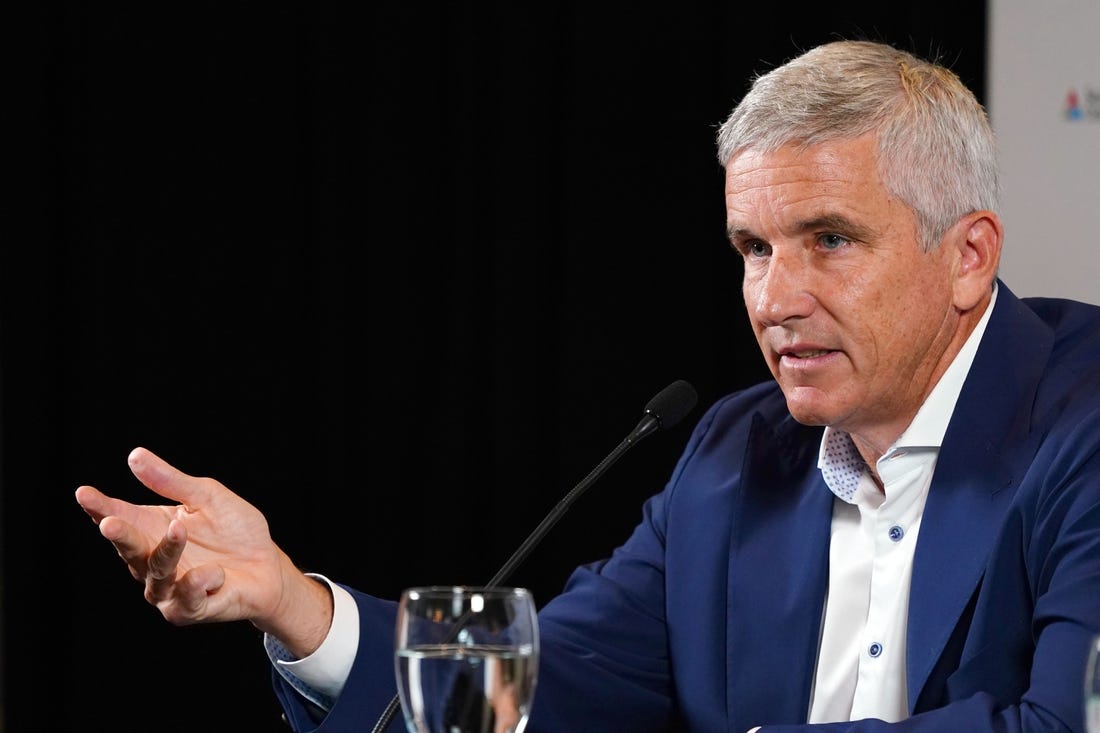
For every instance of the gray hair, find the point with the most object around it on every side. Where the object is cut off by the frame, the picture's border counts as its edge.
(936, 149)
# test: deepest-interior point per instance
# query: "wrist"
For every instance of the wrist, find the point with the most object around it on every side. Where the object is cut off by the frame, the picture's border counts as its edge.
(303, 616)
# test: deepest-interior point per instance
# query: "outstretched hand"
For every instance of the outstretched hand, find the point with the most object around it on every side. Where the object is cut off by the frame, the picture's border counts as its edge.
(209, 557)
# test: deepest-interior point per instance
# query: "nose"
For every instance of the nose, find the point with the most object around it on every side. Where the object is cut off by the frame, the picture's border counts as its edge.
(779, 291)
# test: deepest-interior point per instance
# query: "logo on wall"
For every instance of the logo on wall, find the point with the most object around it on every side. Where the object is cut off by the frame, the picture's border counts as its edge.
(1077, 109)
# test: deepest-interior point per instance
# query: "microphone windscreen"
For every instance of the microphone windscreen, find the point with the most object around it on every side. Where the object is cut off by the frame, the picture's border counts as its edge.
(672, 403)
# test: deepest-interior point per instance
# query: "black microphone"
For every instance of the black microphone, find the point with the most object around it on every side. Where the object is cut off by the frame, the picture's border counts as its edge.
(668, 407)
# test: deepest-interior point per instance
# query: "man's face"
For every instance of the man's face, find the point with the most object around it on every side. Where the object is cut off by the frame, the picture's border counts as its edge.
(852, 316)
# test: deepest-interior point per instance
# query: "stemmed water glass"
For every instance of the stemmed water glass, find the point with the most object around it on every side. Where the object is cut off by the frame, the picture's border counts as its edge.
(466, 659)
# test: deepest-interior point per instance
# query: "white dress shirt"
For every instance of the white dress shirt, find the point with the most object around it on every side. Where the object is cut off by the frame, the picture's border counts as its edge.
(860, 670)
(861, 656)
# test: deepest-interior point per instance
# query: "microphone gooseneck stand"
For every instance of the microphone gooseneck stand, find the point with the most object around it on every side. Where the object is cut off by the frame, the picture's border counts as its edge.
(666, 409)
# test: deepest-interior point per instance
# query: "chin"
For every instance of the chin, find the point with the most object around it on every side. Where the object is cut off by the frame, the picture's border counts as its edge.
(810, 420)
(809, 413)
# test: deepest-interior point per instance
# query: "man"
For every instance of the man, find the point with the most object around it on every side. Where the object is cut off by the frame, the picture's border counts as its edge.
(901, 532)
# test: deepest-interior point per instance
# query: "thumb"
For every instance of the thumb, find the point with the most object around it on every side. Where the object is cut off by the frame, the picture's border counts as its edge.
(165, 479)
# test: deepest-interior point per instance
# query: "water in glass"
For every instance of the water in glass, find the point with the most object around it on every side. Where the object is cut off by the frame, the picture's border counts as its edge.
(466, 659)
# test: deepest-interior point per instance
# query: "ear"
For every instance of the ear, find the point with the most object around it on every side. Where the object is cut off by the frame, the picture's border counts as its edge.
(977, 239)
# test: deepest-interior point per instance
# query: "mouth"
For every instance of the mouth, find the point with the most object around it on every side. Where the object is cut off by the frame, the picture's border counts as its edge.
(806, 359)
(805, 353)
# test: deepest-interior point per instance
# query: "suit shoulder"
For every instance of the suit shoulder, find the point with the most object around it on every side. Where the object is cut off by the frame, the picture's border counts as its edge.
(1075, 325)
(1071, 376)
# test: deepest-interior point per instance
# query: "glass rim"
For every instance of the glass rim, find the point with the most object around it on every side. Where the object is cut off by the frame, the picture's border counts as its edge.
(450, 591)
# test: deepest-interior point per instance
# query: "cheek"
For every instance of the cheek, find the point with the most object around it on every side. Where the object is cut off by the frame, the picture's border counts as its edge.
(865, 284)
(754, 287)
(867, 312)
(859, 304)
(748, 296)
(923, 300)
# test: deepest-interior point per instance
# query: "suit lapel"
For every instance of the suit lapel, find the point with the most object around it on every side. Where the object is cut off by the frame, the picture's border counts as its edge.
(985, 450)
(779, 555)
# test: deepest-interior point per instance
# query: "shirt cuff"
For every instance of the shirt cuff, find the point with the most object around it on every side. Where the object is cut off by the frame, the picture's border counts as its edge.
(320, 677)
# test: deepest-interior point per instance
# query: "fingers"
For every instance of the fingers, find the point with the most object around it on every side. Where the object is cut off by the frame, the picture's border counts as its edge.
(192, 598)
(94, 503)
(181, 599)
(184, 599)
(155, 474)
(197, 594)
(165, 557)
(133, 530)
(131, 544)
(98, 505)
(153, 541)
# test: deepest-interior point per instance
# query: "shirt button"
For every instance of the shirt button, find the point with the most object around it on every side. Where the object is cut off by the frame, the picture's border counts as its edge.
(875, 649)
(896, 533)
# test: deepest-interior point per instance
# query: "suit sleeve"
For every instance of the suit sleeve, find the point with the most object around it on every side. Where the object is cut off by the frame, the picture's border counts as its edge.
(603, 653)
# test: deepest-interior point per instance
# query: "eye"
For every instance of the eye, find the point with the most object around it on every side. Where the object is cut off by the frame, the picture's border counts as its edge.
(756, 248)
(833, 241)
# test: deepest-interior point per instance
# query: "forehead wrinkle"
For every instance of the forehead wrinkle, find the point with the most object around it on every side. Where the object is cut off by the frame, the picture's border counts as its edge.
(790, 195)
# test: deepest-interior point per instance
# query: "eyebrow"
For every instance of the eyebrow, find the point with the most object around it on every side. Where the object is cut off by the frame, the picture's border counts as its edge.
(824, 222)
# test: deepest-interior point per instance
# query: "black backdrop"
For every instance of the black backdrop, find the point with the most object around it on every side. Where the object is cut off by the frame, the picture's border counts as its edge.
(399, 276)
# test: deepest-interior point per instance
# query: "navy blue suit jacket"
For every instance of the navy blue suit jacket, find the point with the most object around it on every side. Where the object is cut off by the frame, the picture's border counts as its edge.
(707, 618)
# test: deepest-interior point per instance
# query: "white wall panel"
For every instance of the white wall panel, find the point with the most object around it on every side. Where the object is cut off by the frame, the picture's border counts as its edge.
(1043, 96)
